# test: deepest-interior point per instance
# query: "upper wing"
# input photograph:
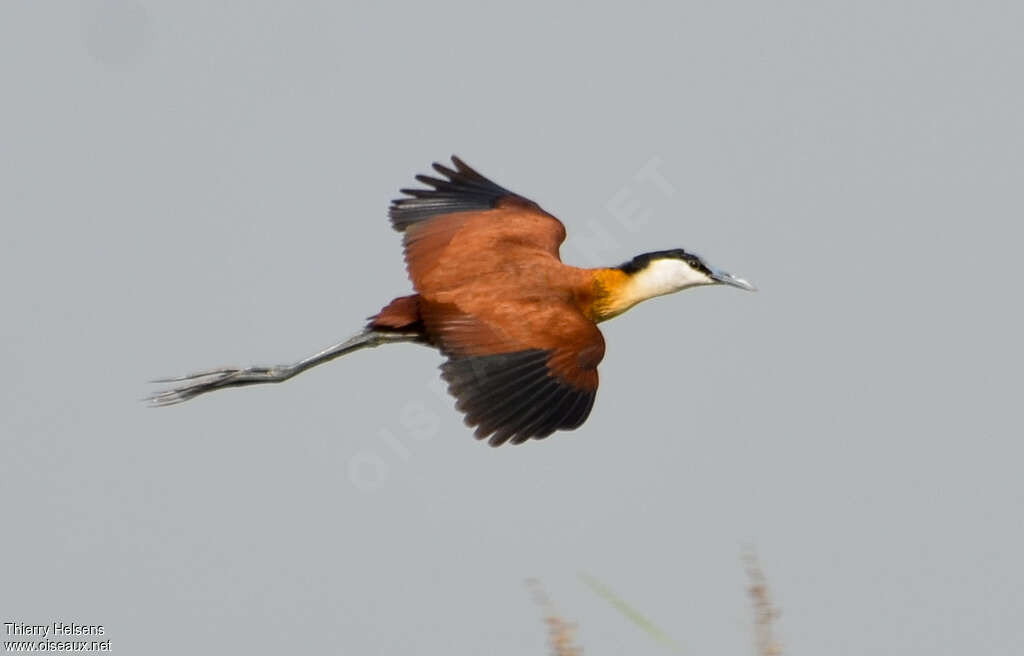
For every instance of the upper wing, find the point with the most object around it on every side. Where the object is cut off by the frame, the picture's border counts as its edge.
(495, 298)
(517, 379)
(467, 226)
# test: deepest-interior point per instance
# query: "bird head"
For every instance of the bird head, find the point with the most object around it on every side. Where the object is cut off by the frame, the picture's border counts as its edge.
(666, 272)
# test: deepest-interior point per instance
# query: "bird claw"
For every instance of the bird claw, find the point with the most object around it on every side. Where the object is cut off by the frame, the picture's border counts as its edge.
(197, 374)
(197, 383)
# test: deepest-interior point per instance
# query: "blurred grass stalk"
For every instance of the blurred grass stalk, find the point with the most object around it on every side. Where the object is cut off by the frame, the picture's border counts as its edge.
(561, 633)
(632, 614)
(765, 611)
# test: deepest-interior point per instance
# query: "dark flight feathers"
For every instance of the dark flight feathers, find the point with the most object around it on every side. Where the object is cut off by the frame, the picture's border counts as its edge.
(463, 190)
(513, 396)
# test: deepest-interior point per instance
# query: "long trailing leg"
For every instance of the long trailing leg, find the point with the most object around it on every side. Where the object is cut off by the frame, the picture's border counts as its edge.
(202, 382)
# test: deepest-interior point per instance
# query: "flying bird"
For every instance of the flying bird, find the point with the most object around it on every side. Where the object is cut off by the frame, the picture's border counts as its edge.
(517, 326)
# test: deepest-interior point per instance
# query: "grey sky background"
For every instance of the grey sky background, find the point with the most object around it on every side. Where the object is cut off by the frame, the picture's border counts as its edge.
(190, 184)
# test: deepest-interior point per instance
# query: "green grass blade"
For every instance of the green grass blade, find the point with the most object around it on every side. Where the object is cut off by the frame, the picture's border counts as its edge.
(632, 614)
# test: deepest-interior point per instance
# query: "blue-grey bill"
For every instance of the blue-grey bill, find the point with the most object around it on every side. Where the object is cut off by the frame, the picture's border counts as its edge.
(734, 281)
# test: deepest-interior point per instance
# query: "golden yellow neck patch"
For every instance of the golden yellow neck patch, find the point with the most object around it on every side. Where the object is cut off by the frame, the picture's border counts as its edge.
(609, 294)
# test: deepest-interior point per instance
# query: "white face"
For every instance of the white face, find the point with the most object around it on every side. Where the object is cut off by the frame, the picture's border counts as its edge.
(665, 276)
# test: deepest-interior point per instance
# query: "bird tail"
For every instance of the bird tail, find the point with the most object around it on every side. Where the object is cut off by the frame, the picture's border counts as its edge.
(400, 315)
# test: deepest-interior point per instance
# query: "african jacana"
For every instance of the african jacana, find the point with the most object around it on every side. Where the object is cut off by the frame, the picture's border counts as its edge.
(517, 326)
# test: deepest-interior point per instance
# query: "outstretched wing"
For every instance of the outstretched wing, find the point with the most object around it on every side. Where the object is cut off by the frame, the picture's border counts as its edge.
(466, 226)
(514, 385)
(497, 301)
